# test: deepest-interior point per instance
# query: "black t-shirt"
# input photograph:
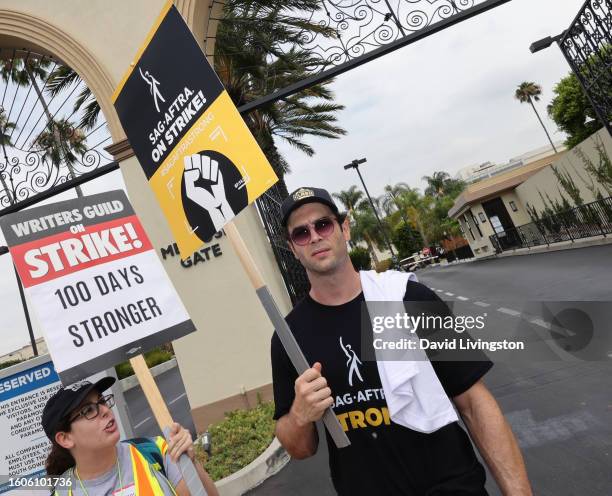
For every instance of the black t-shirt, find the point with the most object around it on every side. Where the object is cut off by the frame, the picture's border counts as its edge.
(384, 458)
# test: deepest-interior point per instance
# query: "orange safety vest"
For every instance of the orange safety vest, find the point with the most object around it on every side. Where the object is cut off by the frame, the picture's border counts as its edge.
(145, 482)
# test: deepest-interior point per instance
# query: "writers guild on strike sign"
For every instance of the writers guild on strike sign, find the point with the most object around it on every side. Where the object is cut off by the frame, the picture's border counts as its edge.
(95, 281)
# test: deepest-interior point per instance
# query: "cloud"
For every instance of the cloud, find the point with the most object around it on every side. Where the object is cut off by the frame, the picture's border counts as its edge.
(444, 102)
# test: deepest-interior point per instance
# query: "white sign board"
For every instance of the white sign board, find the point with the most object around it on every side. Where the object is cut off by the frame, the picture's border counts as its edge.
(95, 282)
(24, 391)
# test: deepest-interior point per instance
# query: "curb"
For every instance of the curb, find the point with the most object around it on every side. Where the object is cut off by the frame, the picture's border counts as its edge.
(560, 246)
(270, 462)
(131, 381)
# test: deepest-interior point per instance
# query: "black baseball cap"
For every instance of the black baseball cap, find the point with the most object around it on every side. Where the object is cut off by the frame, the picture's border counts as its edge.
(302, 196)
(67, 399)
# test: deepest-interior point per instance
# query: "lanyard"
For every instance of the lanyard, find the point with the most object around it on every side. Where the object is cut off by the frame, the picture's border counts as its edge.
(74, 473)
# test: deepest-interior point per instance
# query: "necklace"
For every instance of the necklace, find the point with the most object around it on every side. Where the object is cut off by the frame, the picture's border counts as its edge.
(75, 473)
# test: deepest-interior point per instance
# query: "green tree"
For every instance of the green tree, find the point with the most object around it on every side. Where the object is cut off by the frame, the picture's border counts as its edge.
(360, 257)
(349, 198)
(392, 201)
(440, 184)
(572, 111)
(64, 77)
(407, 239)
(24, 72)
(365, 228)
(528, 92)
(60, 142)
(252, 62)
(436, 183)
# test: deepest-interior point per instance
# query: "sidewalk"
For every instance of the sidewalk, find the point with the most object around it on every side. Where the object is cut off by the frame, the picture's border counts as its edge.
(561, 245)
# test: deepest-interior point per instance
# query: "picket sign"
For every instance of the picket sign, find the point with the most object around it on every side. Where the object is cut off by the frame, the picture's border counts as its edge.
(199, 157)
(282, 328)
(164, 420)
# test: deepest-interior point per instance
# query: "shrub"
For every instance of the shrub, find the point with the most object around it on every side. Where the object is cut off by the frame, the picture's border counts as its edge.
(9, 363)
(153, 358)
(360, 258)
(237, 440)
(406, 239)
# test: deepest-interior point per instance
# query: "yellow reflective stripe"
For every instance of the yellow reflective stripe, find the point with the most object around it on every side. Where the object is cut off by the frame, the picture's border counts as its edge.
(161, 444)
(144, 481)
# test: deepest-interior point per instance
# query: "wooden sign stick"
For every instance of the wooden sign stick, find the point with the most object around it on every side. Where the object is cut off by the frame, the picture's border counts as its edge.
(282, 328)
(164, 420)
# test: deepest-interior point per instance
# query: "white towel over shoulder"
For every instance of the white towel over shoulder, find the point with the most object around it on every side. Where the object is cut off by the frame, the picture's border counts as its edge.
(414, 395)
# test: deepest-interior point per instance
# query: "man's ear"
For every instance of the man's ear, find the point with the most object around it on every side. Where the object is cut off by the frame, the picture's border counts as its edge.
(346, 229)
(290, 245)
(64, 439)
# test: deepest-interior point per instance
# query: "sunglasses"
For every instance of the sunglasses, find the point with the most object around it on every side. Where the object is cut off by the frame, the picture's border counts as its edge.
(92, 410)
(301, 235)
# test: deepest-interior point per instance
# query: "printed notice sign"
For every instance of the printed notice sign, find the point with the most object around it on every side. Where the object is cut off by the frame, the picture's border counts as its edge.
(25, 388)
(95, 282)
(23, 395)
(200, 158)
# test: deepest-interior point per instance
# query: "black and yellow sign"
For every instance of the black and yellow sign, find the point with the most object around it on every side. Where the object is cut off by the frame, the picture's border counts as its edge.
(198, 155)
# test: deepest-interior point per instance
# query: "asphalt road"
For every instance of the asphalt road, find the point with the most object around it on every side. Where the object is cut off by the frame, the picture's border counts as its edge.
(560, 408)
(172, 390)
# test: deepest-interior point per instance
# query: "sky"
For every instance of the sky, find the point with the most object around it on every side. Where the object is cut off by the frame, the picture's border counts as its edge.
(443, 103)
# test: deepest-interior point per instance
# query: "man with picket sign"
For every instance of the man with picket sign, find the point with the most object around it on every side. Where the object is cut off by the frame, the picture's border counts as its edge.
(399, 416)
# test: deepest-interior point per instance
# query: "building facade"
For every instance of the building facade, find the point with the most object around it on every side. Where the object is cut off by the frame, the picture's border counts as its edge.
(475, 173)
(500, 204)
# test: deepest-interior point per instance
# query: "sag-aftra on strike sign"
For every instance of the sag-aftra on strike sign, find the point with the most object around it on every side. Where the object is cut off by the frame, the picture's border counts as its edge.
(97, 287)
(200, 158)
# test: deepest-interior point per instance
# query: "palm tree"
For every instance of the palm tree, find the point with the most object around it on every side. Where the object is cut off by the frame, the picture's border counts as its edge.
(436, 183)
(71, 142)
(365, 228)
(252, 62)
(5, 140)
(389, 201)
(349, 198)
(528, 92)
(64, 77)
(26, 71)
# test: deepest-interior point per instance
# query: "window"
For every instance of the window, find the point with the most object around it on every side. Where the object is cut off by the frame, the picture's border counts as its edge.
(469, 227)
(513, 206)
(475, 223)
(482, 217)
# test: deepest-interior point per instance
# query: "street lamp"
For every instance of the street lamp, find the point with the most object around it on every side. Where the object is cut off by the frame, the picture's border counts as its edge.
(355, 165)
(544, 43)
(3, 251)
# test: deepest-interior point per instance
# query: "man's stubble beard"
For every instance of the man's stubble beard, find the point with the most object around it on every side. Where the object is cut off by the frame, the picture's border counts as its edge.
(328, 267)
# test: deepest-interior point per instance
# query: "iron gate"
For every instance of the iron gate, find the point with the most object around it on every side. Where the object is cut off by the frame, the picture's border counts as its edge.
(587, 46)
(294, 275)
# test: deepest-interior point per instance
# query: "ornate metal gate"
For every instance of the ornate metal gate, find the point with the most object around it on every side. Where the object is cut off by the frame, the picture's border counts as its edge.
(587, 46)
(292, 271)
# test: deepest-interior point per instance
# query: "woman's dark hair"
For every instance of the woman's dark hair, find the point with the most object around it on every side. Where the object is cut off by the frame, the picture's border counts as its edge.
(59, 459)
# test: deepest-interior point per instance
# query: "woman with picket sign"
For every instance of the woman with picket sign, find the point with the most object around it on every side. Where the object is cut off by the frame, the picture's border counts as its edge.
(88, 459)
